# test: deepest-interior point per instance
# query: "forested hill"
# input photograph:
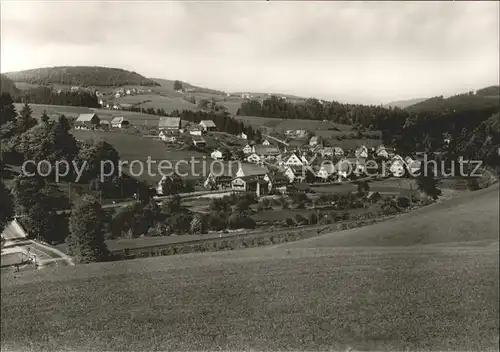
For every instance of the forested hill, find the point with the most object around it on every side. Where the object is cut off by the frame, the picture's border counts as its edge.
(484, 98)
(8, 86)
(81, 76)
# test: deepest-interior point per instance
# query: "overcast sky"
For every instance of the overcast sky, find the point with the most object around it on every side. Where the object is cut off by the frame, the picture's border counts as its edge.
(348, 51)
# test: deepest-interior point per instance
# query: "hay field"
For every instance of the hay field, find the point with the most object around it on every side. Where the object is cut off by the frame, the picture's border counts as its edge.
(424, 281)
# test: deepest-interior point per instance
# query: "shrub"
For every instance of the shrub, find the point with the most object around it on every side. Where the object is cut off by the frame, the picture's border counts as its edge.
(403, 202)
(217, 221)
(240, 220)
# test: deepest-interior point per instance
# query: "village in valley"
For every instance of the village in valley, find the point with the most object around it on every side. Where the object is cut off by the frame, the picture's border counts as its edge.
(236, 176)
(276, 164)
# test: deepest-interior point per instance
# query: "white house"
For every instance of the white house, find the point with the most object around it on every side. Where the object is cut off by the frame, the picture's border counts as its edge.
(243, 136)
(216, 155)
(292, 160)
(254, 158)
(397, 166)
(361, 152)
(119, 122)
(266, 143)
(248, 149)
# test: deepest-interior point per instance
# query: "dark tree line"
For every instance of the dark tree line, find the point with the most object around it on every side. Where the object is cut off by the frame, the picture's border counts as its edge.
(85, 76)
(45, 95)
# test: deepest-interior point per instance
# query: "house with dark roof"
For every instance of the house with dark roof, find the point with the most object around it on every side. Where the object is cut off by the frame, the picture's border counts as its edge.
(208, 125)
(199, 141)
(169, 123)
(277, 181)
(86, 121)
(254, 184)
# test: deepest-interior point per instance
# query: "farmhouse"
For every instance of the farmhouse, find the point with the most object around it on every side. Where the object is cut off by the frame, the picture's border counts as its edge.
(208, 125)
(216, 155)
(298, 173)
(104, 124)
(169, 124)
(291, 159)
(119, 122)
(87, 121)
(167, 136)
(277, 182)
(217, 180)
(251, 184)
(195, 130)
(251, 178)
(266, 143)
(266, 152)
(199, 141)
(251, 170)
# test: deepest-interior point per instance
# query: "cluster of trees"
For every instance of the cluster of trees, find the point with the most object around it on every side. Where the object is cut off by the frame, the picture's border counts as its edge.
(46, 95)
(172, 218)
(81, 76)
(33, 191)
(8, 86)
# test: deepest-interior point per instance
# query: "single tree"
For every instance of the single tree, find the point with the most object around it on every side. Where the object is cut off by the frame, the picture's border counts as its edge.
(177, 85)
(86, 226)
(427, 183)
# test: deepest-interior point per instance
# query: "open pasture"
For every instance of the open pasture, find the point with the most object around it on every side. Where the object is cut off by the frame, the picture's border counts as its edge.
(426, 280)
(158, 101)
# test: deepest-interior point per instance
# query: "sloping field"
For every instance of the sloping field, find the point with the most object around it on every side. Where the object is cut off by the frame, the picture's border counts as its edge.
(157, 101)
(407, 284)
(54, 111)
(281, 125)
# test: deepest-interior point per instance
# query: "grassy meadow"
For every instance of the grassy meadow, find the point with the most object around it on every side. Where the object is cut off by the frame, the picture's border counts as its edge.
(426, 280)
(134, 147)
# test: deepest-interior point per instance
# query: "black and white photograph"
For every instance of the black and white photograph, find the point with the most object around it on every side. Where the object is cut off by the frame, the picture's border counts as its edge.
(260, 175)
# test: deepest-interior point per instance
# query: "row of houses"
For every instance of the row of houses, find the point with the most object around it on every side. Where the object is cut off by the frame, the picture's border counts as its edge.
(92, 121)
(170, 127)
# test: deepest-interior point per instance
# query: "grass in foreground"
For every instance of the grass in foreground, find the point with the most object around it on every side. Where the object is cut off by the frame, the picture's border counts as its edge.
(428, 292)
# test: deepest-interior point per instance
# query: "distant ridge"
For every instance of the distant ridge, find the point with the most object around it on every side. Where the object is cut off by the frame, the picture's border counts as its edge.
(81, 76)
(404, 103)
